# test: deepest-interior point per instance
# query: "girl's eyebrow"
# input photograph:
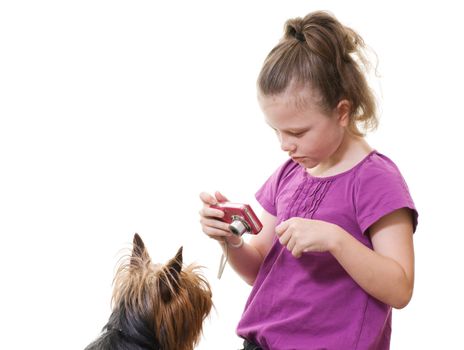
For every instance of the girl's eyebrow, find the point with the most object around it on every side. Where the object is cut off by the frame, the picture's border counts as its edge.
(291, 130)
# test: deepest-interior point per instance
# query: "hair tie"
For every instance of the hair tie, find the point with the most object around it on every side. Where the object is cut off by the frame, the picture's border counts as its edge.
(300, 37)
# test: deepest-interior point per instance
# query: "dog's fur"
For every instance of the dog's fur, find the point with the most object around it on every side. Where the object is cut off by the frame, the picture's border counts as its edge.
(156, 307)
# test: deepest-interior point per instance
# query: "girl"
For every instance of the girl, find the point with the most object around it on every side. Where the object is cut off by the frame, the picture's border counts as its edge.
(336, 251)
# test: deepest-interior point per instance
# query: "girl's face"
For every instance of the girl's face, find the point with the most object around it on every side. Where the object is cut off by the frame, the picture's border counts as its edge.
(309, 135)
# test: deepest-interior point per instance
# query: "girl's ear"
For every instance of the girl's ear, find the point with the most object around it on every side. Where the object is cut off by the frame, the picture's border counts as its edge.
(343, 111)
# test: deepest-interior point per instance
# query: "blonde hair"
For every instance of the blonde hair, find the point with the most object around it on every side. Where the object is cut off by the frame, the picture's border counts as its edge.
(317, 51)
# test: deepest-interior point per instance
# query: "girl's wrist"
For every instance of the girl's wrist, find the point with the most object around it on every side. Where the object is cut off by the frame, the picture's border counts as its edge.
(234, 242)
(335, 242)
(235, 245)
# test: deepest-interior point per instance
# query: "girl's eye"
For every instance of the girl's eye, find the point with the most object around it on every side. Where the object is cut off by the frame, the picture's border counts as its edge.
(298, 134)
(293, 134)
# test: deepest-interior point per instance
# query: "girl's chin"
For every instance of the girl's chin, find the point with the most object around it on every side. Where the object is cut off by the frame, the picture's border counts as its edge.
(306, 162)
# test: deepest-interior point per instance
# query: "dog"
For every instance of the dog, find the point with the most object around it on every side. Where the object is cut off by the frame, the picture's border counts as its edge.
(154, 306)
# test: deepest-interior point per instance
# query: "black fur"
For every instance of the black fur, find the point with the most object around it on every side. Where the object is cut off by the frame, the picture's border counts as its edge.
(126, 331)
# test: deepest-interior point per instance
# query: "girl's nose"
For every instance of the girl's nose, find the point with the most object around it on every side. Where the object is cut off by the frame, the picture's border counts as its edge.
(287, 146)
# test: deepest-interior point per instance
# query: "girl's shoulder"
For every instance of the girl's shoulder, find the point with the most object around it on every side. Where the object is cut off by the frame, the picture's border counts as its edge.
(376, 166)
(379, 188)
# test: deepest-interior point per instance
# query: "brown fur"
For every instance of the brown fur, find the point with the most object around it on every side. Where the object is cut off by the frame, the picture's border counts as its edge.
(170, 300)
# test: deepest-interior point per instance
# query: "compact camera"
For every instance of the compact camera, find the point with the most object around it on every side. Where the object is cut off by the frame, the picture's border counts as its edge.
(240, 217)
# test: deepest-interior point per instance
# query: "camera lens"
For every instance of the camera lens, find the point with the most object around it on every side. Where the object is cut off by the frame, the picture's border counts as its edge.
(237, 227)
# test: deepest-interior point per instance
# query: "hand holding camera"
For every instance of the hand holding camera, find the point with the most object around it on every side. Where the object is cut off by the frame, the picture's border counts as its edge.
(219, 217)
(240, 217)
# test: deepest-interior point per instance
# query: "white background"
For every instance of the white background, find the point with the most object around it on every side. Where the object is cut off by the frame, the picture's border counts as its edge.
(115, 115)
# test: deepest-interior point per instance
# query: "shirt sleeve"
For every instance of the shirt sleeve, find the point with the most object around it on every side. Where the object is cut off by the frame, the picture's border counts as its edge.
(380, 190)
(267, 194)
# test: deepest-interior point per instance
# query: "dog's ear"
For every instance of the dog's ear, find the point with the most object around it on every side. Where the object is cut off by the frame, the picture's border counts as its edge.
(175, 263)
(139, 252)
(169, 283)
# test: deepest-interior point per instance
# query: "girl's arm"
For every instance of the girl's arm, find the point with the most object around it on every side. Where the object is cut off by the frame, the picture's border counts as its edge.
(247, 259)
(387, 272)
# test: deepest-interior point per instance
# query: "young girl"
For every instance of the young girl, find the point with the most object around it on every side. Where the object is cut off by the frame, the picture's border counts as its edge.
(336, 251)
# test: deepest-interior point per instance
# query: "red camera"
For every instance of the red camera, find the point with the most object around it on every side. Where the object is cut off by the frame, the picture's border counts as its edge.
(240, 217)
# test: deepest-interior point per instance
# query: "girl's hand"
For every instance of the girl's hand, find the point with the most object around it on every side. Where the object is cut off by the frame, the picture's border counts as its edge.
(305, 235)
(209, 217)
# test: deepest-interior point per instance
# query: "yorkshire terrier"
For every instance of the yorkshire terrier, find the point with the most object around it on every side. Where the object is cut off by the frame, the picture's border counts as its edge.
(154, 306)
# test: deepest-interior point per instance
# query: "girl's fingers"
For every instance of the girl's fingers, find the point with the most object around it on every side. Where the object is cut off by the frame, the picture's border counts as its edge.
(284, 238)
(220, 197)
(206, 211)
(216, 233)
(296, 252)
(208, 199)
(291, 245)
(281, 228)
(211, 226)
(211, 223)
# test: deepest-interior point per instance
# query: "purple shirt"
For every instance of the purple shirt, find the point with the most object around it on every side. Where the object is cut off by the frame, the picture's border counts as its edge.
(311, 302)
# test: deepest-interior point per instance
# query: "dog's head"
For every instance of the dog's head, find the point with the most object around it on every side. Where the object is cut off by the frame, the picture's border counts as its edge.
(157, 306)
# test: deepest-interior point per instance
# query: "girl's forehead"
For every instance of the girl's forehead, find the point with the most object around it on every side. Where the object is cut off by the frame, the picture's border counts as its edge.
(286, 105)
(299, 98)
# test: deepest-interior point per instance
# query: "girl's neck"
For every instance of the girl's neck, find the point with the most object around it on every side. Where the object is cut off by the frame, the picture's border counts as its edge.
(351, 151)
